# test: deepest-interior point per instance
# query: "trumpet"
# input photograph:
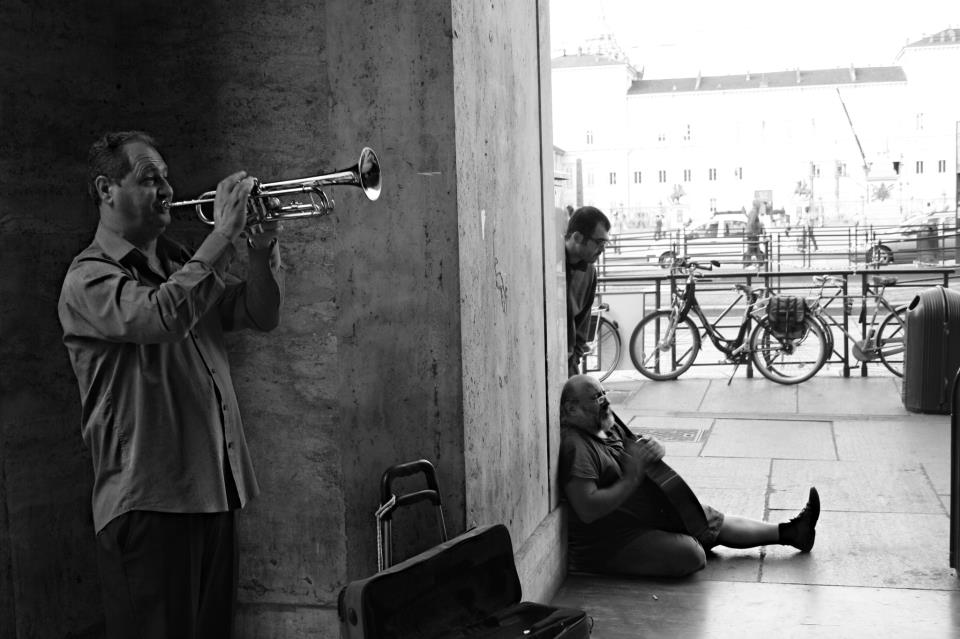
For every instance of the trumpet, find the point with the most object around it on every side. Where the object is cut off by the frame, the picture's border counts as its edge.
(265, 203)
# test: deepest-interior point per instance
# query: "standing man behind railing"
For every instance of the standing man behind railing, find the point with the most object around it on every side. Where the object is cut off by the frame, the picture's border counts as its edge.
(807, 222)
(588, 233)
(754, 230)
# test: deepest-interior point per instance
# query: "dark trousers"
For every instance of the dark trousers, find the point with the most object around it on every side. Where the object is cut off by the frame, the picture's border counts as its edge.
(169, 575)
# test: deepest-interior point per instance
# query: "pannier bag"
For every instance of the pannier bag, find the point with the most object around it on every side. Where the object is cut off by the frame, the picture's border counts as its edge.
(787, 314)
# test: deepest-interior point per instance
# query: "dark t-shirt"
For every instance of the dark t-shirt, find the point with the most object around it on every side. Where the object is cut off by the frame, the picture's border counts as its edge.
(585, 456)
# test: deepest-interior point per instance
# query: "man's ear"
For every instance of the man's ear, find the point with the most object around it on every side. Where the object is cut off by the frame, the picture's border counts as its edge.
(102, 185)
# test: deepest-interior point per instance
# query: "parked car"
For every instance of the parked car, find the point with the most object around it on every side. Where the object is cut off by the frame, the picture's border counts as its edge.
(721, 238)
(926, 237)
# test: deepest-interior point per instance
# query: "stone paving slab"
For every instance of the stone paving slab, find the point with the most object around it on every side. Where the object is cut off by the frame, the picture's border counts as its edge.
(939, 474)
(945, 500)
(645, 420)
(700, 607)
(920, 438)
(876, 550)
(877, 487)
(720, 472)
(853, 396)
(750, 396)
(669, 397)
(762, 437)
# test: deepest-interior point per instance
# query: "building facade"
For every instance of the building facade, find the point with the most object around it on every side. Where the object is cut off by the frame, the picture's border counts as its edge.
(848, 145)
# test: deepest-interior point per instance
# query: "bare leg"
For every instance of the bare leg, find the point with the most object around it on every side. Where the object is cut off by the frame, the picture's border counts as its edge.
(740, 532)
(800, 532)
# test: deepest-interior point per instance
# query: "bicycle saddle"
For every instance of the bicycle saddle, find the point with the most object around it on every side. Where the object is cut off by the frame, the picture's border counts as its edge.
(746, 289)
(883, 281)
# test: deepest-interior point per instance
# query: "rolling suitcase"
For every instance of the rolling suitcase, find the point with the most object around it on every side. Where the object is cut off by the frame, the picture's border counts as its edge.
(465, 587)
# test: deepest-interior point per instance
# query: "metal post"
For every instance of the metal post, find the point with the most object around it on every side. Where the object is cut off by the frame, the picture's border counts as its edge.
(956, 203)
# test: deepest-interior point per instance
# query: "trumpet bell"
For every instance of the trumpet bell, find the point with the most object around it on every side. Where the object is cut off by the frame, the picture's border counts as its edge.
(368, 172)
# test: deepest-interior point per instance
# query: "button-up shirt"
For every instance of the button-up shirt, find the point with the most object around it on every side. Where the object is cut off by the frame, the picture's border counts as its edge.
(159, 412)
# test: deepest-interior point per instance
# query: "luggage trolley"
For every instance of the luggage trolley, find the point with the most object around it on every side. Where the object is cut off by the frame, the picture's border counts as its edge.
(463, 587)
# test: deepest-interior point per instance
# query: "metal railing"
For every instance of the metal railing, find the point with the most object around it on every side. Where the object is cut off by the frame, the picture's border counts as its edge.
(783, 249)
(655, 290)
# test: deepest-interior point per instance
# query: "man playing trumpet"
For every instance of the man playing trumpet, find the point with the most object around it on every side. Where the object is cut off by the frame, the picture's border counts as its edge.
(144, 323)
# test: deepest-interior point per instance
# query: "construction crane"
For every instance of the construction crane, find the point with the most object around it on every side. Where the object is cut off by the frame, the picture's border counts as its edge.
(866, 165)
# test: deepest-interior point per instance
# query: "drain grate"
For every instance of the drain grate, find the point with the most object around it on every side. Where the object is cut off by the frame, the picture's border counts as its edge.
(688, 435)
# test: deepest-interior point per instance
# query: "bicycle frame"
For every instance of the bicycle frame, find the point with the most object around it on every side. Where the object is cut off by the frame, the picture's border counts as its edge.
(868, 328)
(732, 349)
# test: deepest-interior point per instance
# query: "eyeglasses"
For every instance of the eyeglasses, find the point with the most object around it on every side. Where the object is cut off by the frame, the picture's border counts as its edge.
(602, 394)
(601, 241)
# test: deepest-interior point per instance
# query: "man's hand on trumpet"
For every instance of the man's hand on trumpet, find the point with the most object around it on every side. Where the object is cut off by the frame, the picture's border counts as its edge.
(230, 204)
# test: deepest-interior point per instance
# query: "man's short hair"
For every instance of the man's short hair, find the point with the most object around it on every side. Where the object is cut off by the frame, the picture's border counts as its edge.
(585, 219)
(570, 394)
(107, 157)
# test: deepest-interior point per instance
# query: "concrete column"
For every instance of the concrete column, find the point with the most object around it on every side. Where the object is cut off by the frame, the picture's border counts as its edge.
(428, 324)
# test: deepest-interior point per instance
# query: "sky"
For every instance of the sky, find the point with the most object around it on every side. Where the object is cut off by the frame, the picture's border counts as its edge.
(681, 38)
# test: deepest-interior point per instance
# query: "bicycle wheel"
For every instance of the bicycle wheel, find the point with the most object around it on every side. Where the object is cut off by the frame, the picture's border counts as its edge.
(890, 340)
(787, 360)
(662, 348)
(604, 356)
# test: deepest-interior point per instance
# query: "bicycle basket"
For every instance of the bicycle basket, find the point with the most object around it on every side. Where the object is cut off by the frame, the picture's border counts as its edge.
(786, 315)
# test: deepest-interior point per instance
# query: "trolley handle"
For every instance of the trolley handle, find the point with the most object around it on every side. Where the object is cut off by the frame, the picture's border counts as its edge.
(389, 502)
(405, 470)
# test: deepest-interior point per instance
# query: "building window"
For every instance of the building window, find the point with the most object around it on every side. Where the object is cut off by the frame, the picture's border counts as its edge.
(919, 122)
(919, 167)
(613, 177)
(686, 136)
(841, 169)
(686, 175)
(661, 137)
(589, 137)
(738, 172)
(637, 177)
(663, 176)
(711, 174)
(941, 166)
(815, 170)
(590, 179)
(713, 205)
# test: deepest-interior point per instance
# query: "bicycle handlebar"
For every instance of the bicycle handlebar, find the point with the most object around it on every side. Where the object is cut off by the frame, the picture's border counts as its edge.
(823, 280)
(689, 265)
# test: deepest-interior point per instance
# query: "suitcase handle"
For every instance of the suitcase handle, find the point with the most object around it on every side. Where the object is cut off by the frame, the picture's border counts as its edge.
(405, 470)
(389, 502)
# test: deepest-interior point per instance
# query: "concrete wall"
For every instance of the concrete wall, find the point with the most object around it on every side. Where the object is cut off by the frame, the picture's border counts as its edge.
(427, 324)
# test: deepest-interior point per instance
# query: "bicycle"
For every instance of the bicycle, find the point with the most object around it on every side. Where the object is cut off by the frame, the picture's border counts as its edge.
(883, 342)
(604, 346)
(666, 342)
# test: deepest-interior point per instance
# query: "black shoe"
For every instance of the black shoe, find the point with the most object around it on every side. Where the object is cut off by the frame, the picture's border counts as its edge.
(801, 531)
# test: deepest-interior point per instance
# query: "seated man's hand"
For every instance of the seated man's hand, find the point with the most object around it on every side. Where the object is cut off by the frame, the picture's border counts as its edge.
(644, 450)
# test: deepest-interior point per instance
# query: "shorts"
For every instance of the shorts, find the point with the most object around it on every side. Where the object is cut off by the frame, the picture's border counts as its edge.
(714, 521)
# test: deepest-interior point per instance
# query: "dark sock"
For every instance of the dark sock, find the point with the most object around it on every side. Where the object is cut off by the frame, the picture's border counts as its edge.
(788, 533)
